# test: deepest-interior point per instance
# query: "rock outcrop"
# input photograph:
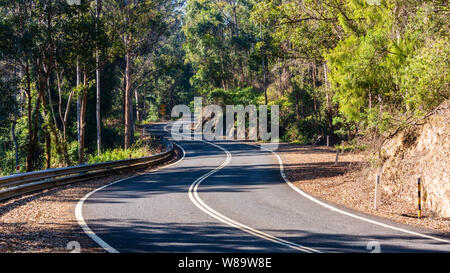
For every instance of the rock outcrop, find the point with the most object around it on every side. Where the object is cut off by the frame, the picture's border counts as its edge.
(423, 151)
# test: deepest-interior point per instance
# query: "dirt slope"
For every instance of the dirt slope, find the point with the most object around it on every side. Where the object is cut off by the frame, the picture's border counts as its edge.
(423, 151)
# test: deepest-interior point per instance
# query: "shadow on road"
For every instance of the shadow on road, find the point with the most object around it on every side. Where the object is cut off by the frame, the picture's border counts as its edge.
(139, 236)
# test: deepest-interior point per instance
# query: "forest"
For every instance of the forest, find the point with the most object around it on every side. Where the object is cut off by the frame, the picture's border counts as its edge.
(78, 80)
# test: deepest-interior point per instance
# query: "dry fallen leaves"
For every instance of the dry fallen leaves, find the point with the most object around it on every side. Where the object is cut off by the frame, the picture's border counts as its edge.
(45, 221)
(312, 169)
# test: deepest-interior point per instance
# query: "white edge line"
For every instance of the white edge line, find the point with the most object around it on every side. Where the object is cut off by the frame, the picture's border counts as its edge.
(280, 161)
(79, 207)
(195, 198)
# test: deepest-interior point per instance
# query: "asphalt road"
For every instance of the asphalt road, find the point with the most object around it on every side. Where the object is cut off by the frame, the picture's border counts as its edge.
(230, 197)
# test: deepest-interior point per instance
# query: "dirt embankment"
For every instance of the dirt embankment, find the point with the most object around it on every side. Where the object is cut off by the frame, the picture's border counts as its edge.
(350, 183)
(423, 152)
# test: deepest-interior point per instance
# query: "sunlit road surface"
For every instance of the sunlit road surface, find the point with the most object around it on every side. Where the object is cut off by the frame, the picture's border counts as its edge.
(230, 197)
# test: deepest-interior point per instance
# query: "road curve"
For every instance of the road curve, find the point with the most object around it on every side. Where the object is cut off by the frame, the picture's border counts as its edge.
(228, 196)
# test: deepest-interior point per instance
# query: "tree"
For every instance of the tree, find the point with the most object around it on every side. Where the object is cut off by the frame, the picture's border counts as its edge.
(220, 43)
(139, 24)
(98, 7)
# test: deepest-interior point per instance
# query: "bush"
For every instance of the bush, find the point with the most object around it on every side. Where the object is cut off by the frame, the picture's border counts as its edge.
(351, 146)
(119, 154)
(425, 79)
(301, 131)
(112, 136)
(238, 96)
(72, 150)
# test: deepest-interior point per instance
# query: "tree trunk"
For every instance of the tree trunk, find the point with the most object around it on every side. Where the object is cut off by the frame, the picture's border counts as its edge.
(327, 91)
(97, 72)
(32, 144)
(144, 106)
(317, 114)
(48, 114)
(32, 124)
(78, 101)
(264, 69)
(82, 121)
(297, 103)
(138, 111)
(48, 148)
(50, 103)
(97, 108)
(66, 115)
(128, 103)
(58, 83)
(264, 81)
(13, 135)
(63, 117)
(236, 23)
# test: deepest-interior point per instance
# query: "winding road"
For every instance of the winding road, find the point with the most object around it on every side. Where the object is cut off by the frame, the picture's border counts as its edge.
(227, 196)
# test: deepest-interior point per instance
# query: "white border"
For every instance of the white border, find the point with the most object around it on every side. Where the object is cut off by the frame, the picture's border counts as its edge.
(280, 162)
(79, 209)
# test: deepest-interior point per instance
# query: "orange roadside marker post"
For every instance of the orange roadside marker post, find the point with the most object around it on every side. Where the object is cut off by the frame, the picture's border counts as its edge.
(162, 109)
(419, 199)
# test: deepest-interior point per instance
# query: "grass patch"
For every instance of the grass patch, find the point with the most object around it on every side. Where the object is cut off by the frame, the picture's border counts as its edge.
(298, 142)
(351, 147)
(119, 154)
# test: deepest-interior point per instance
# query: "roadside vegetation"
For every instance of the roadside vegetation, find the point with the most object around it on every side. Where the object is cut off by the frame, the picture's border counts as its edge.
(76, 80)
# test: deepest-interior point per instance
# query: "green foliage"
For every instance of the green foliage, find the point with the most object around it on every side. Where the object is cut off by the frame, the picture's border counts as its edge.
(41, 43)
(300, 132)
(73, 151)
(351, 147)
(424, 80)
(381, 71)
(340, 68)
(238, 96)
(119, 154)
(219, 43)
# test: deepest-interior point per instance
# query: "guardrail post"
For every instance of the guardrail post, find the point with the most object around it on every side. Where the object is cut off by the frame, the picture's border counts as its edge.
(328, 141)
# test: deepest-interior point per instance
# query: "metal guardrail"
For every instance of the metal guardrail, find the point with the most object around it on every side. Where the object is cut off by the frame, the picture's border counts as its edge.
(14, 185)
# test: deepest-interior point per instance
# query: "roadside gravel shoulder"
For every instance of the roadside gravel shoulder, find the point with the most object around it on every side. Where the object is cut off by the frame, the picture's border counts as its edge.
(44, 221)
(312, 169)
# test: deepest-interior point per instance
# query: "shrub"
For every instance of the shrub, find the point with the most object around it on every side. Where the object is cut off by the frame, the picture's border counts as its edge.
(119, 154)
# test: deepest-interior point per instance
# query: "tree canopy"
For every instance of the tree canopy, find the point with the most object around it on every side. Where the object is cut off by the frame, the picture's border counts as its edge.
(344, 68)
